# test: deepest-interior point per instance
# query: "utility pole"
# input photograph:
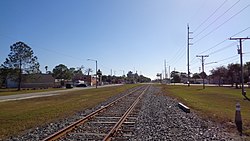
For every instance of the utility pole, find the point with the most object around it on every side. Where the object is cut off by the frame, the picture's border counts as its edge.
(203, 73)
(165, 67)
(174, 76)
(188, 45)
(95, 71)
(243, 92)
(169, 72)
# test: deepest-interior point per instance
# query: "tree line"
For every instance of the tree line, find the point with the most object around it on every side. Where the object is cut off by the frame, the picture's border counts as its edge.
(229, 74)
(21, 60)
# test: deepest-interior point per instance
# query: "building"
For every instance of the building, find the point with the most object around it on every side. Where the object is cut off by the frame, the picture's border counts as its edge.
(88, 79)
(33, 81)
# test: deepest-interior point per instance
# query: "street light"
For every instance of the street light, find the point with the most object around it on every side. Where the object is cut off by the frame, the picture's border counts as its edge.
(210, 63)
(95, 71)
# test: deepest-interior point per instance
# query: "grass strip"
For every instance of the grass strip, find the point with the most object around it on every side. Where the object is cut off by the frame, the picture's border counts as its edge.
(5, 92)
(18, 116)
(215, 103)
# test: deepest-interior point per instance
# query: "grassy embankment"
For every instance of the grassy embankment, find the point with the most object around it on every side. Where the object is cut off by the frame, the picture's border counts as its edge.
(5, 92)
(17, 116)
(216, 103)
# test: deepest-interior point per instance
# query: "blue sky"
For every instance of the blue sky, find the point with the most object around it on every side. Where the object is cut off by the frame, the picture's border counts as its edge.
(134, 35)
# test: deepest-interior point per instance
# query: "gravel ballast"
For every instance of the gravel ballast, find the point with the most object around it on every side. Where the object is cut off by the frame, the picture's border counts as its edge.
(162, 119)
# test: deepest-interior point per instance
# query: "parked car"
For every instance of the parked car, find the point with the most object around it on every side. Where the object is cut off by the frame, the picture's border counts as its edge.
(81, 85)
(69, 86)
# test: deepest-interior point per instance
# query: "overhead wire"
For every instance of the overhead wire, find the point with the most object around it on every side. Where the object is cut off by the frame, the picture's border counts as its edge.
(217, 18)
(227, 58)
(210, 15)
(177, 54)
(221, 49)
(230, 45)
(179, 58)
(50, 50)
(197, 11)
(180, 53)
(222, 23)
(225, 40)
(39, 47)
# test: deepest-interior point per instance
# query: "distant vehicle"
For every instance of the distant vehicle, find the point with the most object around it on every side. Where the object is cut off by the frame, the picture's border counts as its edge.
(81, 85)
(69, 86)
(78, 82)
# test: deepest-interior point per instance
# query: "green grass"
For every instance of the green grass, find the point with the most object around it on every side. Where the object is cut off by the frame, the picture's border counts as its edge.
(18, 116)
(215, 103)
(5, 92)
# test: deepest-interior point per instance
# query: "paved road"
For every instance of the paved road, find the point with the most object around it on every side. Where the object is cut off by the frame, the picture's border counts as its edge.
(44, 94)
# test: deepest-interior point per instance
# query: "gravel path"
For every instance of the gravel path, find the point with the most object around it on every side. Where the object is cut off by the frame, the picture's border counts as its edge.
(161, 119)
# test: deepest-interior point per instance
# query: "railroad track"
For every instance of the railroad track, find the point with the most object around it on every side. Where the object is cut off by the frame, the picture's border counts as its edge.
(111, 122)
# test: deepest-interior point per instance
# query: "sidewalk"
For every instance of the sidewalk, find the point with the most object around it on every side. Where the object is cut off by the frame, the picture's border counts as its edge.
(45, 94)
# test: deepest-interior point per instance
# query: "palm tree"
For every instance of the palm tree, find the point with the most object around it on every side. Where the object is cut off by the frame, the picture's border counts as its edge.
(88, 71)
(46, 68)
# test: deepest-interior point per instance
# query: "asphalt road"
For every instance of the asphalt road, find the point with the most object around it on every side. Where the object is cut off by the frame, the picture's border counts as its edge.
(45, 94)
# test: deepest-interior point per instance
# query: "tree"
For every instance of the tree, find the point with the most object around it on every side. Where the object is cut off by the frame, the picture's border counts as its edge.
(88, 71)
(219, 73)
(143, 79)
(247, 72)
(99, 74)
(196, 76)
(61, 72)
(46, 68)
(203, 75)
(175, 75)
(21, 58)
(234, 73)
(159, 75)
(77, 73)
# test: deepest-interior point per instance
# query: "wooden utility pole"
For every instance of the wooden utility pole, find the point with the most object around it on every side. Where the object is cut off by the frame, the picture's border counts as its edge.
(165, 67)
(188, 45)
(202, 63)
(243, 92)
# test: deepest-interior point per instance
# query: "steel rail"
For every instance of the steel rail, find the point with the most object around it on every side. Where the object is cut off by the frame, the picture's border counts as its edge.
(123, 118)
(67, 129)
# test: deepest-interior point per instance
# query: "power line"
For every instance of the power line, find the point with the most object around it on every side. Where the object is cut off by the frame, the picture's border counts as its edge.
(226, 47)
(179, 58)
(197, 11)
(39, 47)
(225, 40)
(210, 15)
(179, 52)
(222, 23)
(227, 58)
(217, 18)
